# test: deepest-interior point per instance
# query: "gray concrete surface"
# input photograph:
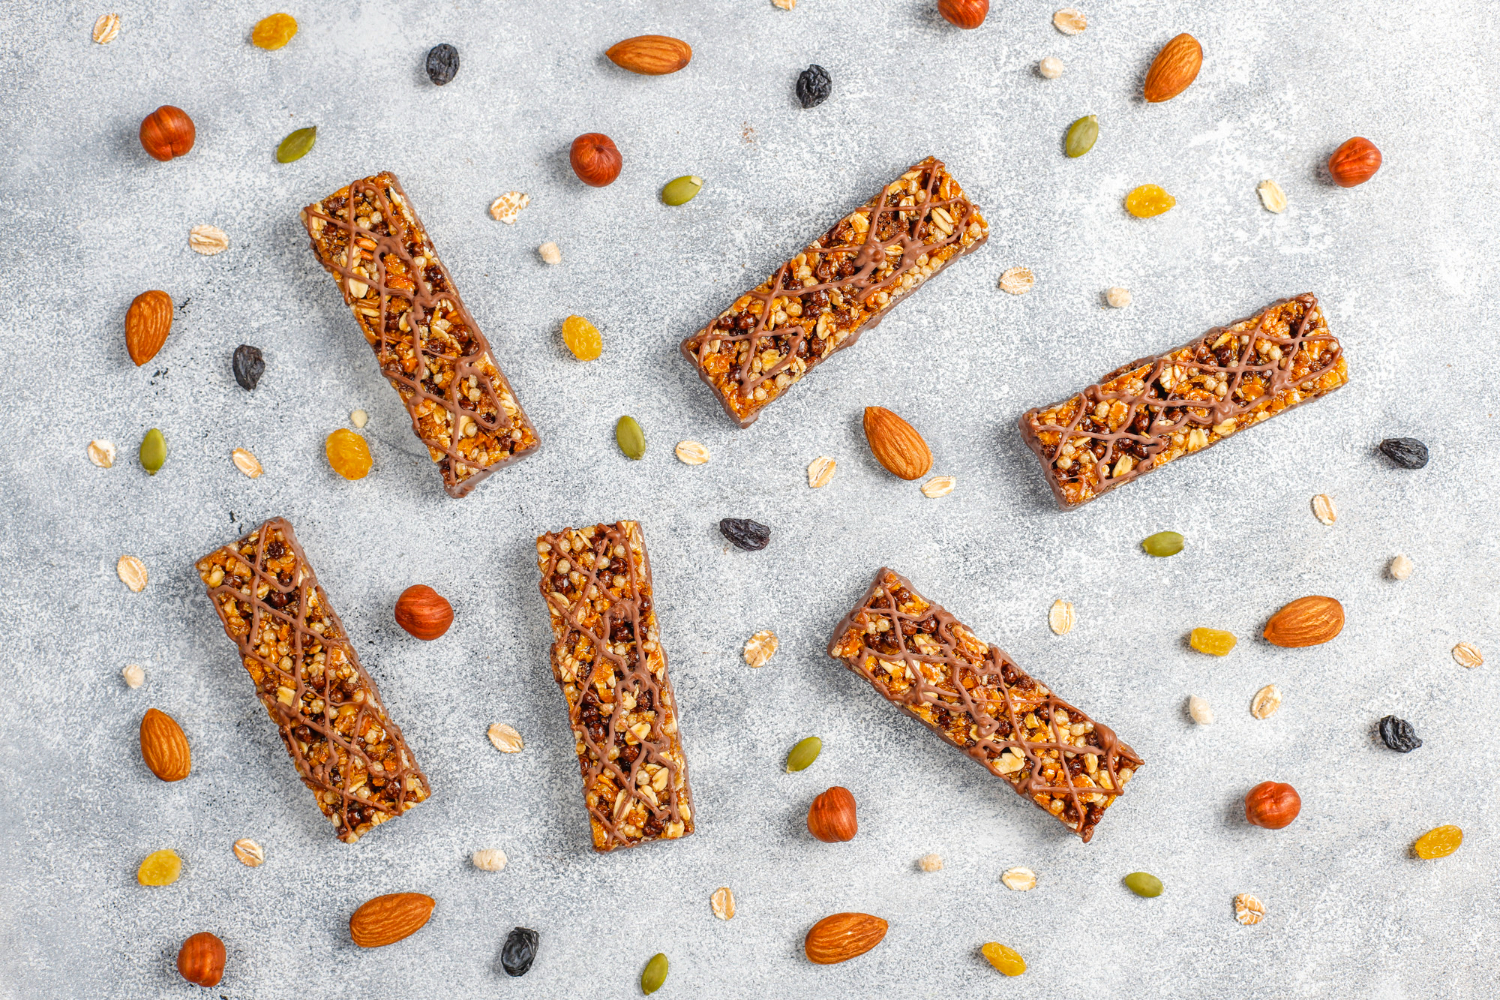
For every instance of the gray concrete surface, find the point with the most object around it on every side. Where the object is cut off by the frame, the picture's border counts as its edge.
(1405, 268)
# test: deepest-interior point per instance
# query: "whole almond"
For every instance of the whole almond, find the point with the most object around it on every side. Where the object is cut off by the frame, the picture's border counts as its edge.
(1307, 621)
(896, 444)
(164, 746)
(1175, 67)
(147, 323)
(651, 55)
(843, 936)
(387, 919)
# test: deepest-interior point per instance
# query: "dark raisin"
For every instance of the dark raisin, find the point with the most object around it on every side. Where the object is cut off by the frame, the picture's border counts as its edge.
(1398, 734)
(745, 533)
(813, 86)
(1409, 453)
(442, 63)
(275, 550)
(277, 599)
(519, 951)
(249, 365)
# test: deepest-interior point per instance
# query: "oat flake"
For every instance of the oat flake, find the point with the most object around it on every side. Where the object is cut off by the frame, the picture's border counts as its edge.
(691, 453)
(208, 240)
(1070, 21)
(1468, 655)
(1017, 281)
(722, 902)
(102, 453)
(1323, 508)
(1248, 910)
(820, 471)
(1062, 618)
(506, 207)
(1019, 879)
(1271, 196)
(938, 486)
(246, 463)
(760, 647)
(106, 28)
(506, 739)
(1267, 700)
(133, 572)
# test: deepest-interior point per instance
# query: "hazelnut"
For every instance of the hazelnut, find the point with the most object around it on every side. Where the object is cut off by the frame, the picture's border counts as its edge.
(167, 132)
(964, 13)
(201, 959)
(423, 612)
(1272, 804)
(831, 818)
(1354, 162)
(595, 159)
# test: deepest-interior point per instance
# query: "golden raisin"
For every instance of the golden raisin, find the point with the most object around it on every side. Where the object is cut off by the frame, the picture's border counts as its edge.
(1214, 641)
(1007, 960)
(274, 32)
(1148, 200)
(160, 868)
(1438, 843)
(348, 454)
(582, 338)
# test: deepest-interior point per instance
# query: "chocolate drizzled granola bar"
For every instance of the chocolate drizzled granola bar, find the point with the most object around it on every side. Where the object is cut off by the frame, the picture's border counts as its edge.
(974, 696)
(820, 301)
(1145, 414)
(608, 660)
(346, 749)
(430, 349)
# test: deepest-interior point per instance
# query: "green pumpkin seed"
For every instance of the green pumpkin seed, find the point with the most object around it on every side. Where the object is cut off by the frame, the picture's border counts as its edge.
(1163, 543)
(682, 190)
(630, 438)
(153, 451)
(655, 974)
(803, 754)
(297, 145)
(1082, 135)
(1143, 884)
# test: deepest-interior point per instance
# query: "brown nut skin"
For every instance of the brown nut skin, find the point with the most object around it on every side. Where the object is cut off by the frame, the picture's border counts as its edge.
(1354, 162)
(595, 159)
(1174, 69)
(423, 612)
(832, 817)
(201, 959)
(651, 55)
(896, 444)
(164, 746)
(1272, 804)
(147, 323)
(1307, 621)
(843, 936)
(390, 918)
(964, 13)
(167, 132)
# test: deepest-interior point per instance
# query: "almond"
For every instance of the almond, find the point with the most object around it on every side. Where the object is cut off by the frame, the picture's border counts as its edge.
(164, 747)
(1175, 67)
(387, 919)
(896, 444)
(843, 936)
(1307, 621)
(147, 323)
(651, 55)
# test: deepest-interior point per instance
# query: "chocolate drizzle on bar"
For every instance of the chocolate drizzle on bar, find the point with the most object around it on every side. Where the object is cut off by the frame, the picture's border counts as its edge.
(306, 673)
(608, 660)
(1143, 415)
(820, 301)
(429, 348)
(973, 695)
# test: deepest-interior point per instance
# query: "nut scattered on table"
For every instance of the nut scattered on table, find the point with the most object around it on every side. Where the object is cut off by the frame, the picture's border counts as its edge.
(201, 958)
(1307, 621)
(251, 854)
(1266, 701)
(1272, 805)
(1467, 655)
(595, 159)
(208, 240)
(1248, 910)
(1354, 162)
(506, 207)
(1019, 879)
(550, 253)
(491, 860)
(423, 612)
(106, 28)
(896, 444)
(833, 816)
(691, 453)
(1271, 196)
(967, 14)
(1062, 617)
(246, 463)
(147, 323)
(1050, 67)
(506, 739)
(1174, 69)
(1117, 297)
(930, 863)
(820, 471)
(1400, 568)
(650, 55)
(1070, 21)
(722, 902)
(1017, 281)
(1323, 508)
(133, 572)
(843, 936)
(359, 418)
(102, 453)
(938, 486)
(1200, 710)
(133, 674)
(164, 746)
(760, 647)
(167, 132)
(387, 919)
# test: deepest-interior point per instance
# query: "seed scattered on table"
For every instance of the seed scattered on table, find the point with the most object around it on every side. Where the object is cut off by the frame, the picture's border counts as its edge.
(1200, 710)
(1248, 910)
(1062, 617)
(930, 863)
(691, 453)
(506, 207)
(1144, 884)
(490, 860)
(550, 253)
(1050, 67)
(102, 453)
(1400, 568)
(1017, 281)
(134, 676)
(1082, 135)
(1019, 879)
(1163, 544)
(297, 145)
(251, 854)
(106, 28)
(1398, 734)
(629, 436)
(1271, 196)
(1323, 508)
(1266, 701)
(722, 902)
(208, 240)
(1070, 21)
(1467, 655)
(153, 451)
(133, 572)
(820, 471)
(246, 462)
(760, 647)
(654, 974)
(359, 418)
(506, 739)
(1117, 297)
(938, 486)
(803, 754)
(681, 190)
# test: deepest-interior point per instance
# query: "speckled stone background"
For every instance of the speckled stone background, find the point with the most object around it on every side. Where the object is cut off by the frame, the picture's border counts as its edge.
(1405, 267)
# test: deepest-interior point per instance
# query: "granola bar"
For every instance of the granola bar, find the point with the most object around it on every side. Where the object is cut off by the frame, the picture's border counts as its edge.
(820, 301)
(430, 349)
(608, 660)
(974, 696)
(1145, 414)
(346, 749)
